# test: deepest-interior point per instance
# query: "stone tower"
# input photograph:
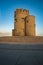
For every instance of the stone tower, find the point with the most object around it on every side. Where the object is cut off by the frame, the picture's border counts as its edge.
(30, 25)
(24, 24)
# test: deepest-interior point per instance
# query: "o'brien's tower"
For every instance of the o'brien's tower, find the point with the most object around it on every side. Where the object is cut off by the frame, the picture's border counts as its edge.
(24, 24)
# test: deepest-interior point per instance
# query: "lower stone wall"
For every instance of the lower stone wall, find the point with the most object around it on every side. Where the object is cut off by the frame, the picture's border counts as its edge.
(21, 39)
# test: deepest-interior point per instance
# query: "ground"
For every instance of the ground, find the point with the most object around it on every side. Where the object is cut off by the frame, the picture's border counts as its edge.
(21, 54)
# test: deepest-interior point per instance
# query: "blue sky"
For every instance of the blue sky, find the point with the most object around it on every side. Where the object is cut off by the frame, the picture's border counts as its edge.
(7, 8)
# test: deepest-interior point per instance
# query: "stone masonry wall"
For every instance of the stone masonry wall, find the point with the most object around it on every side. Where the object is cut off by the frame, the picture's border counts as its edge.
(30, 25)
(24, 24)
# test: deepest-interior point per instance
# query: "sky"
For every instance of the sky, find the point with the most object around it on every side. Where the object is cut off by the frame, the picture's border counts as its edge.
(7, 8)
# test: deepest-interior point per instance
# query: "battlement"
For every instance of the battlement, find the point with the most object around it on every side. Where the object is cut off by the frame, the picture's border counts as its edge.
(19, 11)
(30, 16)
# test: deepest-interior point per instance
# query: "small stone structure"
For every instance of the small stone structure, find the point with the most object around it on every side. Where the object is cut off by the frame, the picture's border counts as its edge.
(24, 24)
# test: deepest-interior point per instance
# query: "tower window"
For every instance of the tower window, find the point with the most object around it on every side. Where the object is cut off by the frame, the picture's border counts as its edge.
(22, 18)
(15, 19)
(27, 21)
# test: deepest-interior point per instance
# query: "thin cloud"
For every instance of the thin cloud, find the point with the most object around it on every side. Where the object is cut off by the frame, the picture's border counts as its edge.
(41, 34)
(5, 34)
